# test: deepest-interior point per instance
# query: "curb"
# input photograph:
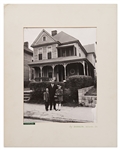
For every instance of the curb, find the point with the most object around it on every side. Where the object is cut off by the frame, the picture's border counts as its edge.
(55, 120)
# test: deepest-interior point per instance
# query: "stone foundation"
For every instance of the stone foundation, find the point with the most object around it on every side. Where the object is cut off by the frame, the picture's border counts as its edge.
(84, 100)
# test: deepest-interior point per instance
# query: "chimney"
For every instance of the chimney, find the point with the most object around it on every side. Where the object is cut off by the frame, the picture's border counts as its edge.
(26, 44)
(54, 32)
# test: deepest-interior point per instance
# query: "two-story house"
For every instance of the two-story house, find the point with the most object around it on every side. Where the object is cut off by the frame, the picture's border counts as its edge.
(60, 55)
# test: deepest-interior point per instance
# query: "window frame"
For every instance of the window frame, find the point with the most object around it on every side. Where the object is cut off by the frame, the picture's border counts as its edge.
(49, 50)
(49, 55)
(41, 56)
(43, 38)
(40, 51)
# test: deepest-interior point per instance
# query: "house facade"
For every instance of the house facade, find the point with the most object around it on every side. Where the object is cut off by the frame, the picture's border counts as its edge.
(59, 55)
(28, 55)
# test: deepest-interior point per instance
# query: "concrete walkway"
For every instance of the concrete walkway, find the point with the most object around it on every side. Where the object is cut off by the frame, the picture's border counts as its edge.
(67, 114)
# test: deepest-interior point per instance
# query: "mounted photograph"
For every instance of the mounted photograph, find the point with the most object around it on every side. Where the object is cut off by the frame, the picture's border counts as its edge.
(60, 75)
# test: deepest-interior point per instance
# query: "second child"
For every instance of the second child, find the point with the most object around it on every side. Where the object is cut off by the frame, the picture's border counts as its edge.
(59, 94)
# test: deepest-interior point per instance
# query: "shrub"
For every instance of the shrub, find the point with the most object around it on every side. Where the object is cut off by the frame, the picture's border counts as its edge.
(26, 84)
(67, 96)
(38, 89)
(77, 82)
(71, 87)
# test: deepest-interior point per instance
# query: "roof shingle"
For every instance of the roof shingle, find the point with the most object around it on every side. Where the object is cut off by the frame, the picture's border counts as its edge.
(90, 48)
(63, 37)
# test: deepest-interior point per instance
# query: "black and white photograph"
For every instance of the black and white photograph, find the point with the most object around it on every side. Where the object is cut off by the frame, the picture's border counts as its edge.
(60, 75)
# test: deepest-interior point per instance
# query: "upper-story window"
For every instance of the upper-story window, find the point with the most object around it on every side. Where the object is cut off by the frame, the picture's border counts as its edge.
(40, 56)
(67, 51)
(49, 55)
(49, 52)
(40, 53)
(44, 38)
(79, 55)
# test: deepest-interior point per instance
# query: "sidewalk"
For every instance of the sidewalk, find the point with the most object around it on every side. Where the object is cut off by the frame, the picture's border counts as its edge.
(67, 114)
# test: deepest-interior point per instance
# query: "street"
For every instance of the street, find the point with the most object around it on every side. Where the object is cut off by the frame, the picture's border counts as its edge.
(37, 113)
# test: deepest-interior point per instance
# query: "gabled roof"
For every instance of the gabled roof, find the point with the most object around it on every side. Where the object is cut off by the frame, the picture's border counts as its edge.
(90, 48)
(63, 37)
(38, 37)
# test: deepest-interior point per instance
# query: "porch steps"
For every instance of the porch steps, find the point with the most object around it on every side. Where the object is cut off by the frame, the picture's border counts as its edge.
(27, 95)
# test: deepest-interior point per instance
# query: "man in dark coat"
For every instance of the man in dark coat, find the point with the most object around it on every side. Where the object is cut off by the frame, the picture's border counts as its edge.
(52, 89)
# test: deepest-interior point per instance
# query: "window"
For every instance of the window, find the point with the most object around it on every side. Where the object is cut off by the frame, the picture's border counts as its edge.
(49, 55)
(40, 53)
(40, 56)
(49, 52)
(44, 38)
(69, 51)
(79, 55)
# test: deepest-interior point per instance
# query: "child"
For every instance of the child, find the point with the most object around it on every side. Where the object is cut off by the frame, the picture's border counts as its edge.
(46, 98)
(59, 94)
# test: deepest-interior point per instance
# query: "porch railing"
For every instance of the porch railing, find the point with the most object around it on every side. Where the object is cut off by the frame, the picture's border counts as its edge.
(42, 79)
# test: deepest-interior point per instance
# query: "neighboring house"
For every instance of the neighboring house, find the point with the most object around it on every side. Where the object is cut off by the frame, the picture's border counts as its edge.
(28, 56)
(60, 55)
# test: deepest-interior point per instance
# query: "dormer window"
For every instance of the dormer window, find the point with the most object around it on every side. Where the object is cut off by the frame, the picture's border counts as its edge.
(44, 38)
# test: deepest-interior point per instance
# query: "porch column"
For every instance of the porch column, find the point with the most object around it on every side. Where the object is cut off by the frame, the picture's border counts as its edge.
(53, 66)
(73, 51)
(41, 73)
(34, 73)
(29, 73)
(77, 69)
(65, 70)
(84, 67)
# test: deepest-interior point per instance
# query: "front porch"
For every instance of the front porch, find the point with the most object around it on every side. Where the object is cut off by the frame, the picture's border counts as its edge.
(59, 71)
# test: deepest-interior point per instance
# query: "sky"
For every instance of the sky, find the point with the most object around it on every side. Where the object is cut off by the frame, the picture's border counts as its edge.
(84, 35)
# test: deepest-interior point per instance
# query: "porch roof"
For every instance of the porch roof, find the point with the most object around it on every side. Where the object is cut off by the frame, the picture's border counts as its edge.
(57, 60)
(66, 45)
